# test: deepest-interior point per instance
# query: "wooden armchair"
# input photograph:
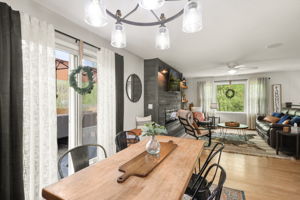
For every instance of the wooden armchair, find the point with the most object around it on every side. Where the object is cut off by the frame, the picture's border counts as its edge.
(192, 128)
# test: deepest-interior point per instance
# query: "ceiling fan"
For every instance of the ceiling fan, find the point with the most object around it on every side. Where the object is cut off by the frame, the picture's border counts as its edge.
(233, 68)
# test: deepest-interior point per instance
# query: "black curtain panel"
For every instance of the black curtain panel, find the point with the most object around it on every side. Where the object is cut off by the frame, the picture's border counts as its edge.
(11, 109)
(119, 60)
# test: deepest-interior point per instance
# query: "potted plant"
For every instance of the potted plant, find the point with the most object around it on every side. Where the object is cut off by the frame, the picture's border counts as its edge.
(152, 129)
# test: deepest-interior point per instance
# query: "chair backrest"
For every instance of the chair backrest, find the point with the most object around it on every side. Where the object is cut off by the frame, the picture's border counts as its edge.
(123, 137)
(216, 151)
(206, 183)
(80, 157)
(186, 119)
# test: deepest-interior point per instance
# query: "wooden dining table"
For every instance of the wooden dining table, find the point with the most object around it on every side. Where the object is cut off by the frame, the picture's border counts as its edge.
(167, 181)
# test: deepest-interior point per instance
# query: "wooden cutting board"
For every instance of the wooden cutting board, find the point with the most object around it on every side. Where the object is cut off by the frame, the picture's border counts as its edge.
(144, 163)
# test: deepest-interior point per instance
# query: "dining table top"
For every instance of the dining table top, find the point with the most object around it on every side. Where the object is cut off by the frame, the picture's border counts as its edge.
(99, 181)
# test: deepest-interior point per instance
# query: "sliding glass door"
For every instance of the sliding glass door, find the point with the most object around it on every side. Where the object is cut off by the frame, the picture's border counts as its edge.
(64, 63)
(89, 105)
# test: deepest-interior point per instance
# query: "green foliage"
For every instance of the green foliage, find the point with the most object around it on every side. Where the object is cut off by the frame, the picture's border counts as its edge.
(235, 104)
(152, 129)
(62, 91)
(89, 101)
(73, 82)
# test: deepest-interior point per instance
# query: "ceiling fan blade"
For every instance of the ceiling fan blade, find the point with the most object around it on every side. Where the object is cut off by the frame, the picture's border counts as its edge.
(246, 67)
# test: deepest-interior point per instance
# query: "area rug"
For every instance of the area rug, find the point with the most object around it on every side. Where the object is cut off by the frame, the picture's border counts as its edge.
(227, 194)
(231, 194)
(250, 143)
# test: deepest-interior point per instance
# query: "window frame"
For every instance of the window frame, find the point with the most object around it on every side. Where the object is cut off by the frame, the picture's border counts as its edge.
(233, 82)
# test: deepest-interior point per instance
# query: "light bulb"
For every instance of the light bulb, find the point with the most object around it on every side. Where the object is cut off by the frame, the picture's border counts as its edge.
(162, 38)
(118, 36)
(151, 4)
(192, 17)
(232, 71)
(95, 14)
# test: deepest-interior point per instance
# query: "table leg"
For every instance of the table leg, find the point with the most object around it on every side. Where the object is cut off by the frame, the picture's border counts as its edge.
(277, 143)
(244, 133)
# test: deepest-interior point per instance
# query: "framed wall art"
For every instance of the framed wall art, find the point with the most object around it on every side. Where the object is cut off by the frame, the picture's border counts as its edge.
(277, 98)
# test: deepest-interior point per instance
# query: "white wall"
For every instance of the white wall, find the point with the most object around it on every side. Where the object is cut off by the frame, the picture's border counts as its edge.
(132, 63)
(289, 81)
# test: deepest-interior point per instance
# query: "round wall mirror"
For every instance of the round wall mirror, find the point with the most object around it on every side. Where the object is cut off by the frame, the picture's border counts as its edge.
(134, 88)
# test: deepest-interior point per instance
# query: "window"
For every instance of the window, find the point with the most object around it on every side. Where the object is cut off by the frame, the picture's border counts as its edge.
(234, 104)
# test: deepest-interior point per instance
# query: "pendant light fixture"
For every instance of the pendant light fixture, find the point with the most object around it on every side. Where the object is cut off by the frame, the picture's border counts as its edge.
(192, 17)
(162, 40)
(95, 14)
(118, 34)
(151, 4)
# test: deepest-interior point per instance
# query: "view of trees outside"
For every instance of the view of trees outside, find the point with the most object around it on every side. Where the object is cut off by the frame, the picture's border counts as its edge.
(62, 82)
(236, 103)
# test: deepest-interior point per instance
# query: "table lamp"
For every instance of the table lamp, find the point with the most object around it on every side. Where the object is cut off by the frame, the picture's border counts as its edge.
(214, 107)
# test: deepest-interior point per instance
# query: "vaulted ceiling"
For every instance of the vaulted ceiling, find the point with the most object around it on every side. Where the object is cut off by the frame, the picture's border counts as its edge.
(236, 31)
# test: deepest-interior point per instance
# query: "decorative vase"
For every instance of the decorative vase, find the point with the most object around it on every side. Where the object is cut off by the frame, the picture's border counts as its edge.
(153, 146)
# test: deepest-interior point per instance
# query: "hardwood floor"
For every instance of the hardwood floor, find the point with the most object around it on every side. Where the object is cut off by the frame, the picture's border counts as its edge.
(261, 177)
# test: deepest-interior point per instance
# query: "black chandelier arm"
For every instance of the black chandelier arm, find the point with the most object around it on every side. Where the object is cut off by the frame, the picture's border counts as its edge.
(155, 15)
(144, 23)
(132, 11)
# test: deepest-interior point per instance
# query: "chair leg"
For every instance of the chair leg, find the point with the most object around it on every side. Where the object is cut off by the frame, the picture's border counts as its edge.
(209, 139)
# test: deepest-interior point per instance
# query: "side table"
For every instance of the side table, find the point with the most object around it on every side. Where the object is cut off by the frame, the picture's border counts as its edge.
(213, 119)
(280, 134)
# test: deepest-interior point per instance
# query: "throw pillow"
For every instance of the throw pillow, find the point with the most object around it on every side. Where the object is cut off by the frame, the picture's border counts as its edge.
(294, 120)
(141, 121)
(276, 114)
(271, 119)
(286, 122)
(199, 116)
(283, 118)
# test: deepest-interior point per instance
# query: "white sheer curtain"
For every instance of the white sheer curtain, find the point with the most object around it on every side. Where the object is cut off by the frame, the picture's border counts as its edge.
(39, 140)
(257, 99)
(205, 95)
(106, 105)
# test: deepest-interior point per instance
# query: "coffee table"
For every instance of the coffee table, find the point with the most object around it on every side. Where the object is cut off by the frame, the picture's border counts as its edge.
(280, 134)
(241, 129)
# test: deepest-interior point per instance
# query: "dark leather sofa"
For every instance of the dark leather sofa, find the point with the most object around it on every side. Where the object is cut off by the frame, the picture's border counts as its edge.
(268, 130)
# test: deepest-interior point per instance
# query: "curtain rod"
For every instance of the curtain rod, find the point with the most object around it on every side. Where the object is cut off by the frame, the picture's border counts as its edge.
(70, 36)
(235, 80)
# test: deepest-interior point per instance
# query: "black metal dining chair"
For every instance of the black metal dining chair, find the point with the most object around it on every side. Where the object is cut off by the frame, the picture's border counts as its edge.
(80, 157)
(124, 138)
(212, 189)
(196, 178)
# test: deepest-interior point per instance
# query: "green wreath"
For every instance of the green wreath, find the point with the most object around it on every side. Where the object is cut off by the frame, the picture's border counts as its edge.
(230, 93)
(73, 83)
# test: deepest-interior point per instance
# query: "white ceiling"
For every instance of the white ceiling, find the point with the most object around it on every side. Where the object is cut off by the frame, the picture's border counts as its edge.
(234, 31)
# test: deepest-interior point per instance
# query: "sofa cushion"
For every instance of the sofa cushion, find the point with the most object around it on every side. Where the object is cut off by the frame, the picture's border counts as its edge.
(284, 110)
(271, 119)
(263, 125)
(292, 112)
(283, 119)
